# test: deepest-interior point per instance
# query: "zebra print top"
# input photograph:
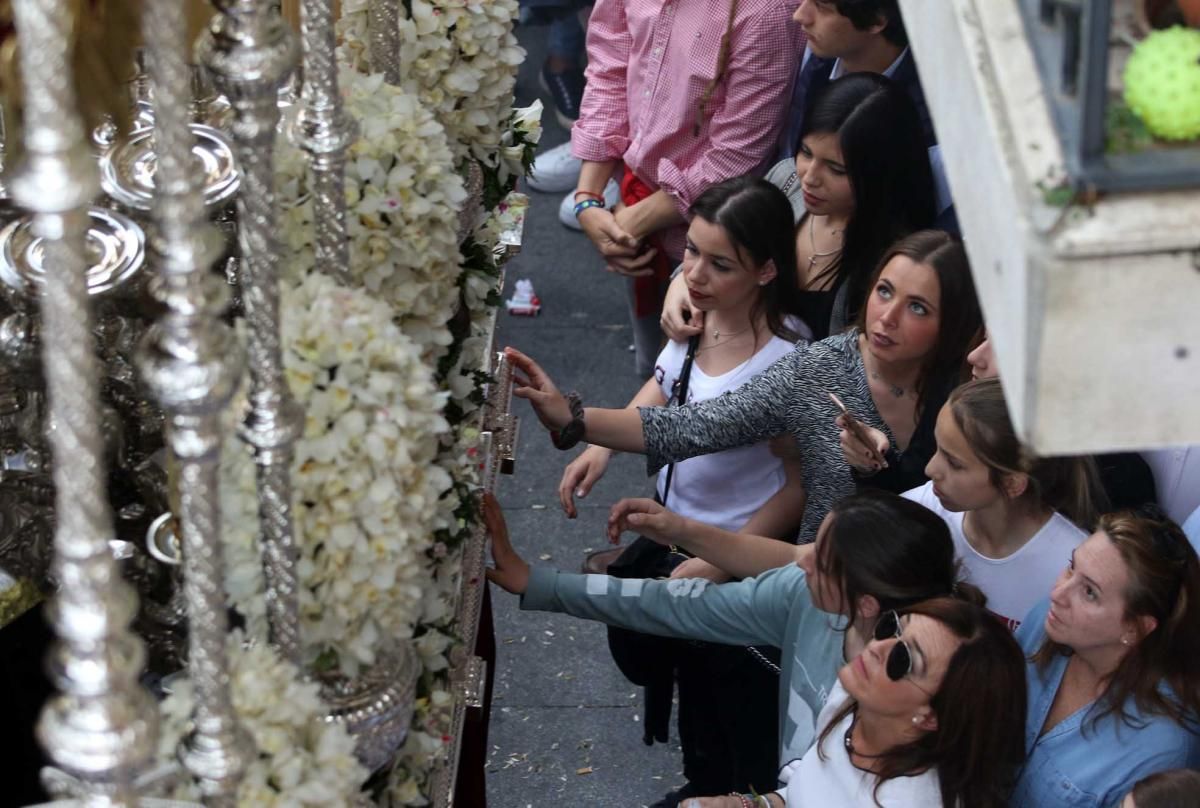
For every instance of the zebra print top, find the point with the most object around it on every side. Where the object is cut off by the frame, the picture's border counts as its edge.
(791, 396)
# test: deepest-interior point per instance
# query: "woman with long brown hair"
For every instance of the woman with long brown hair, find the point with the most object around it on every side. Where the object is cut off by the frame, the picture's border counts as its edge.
(1114, 671)
(893, 371)
(927, 715)
(875, 554)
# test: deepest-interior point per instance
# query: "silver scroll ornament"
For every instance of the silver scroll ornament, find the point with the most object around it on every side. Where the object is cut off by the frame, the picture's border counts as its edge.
(383, 26)
(191, 362)
(100, 728)
(249, 51)
(323, 130)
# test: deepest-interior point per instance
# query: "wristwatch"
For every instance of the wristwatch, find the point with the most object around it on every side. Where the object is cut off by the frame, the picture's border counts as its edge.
(572, 433)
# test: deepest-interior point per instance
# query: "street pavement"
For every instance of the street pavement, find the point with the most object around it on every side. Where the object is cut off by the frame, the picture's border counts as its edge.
(566, 725)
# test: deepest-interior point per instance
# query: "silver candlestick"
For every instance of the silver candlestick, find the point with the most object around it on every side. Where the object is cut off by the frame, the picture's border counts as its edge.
(324, 131)
(383, 23)
(250, 50)
(101, 727)
(191, 362)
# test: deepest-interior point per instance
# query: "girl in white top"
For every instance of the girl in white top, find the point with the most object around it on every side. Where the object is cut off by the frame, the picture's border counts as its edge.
(1014, 517)
(738, 268)
(927, 715)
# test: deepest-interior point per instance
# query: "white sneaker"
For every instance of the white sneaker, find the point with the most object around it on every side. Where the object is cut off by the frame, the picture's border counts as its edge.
(566, 211)
(555, 171)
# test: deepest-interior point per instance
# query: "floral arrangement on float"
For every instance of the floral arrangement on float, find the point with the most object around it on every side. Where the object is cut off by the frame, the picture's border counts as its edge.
(302, 760)
(484, 252)
(388, 370)
(388, 373)
(459, 57)
(403, 195)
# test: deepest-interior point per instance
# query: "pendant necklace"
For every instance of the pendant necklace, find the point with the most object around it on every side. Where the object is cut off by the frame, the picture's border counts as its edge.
(895, 389)
(812, 241)
(847, 739)
(717, 334)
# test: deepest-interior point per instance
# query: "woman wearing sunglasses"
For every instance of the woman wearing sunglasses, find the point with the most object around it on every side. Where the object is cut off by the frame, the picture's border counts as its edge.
(874, 552)
(928, 714)
(1114, 671)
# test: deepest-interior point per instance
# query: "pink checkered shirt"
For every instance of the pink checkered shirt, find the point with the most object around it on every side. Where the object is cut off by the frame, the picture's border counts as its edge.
(649, 62)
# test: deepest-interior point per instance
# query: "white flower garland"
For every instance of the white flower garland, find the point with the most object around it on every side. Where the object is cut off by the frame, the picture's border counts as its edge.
(301, 761)
(366, 485)
(374, 469)
(461, 459)
(402, 196)
(459, 57)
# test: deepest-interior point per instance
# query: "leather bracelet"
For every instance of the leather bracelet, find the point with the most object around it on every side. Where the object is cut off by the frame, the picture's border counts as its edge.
(572, 433)
(580, 207)
(592, 194)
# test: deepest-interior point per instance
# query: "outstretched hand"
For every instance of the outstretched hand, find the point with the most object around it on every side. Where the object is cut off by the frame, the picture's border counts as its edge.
(647, 517)
(510, 572)
(532, 384)
(580, 475)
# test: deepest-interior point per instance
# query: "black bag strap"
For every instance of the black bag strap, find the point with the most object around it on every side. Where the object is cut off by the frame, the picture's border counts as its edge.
(685, 374)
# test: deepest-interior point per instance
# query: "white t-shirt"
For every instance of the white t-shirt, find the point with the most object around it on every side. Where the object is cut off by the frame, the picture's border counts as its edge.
(811, 782)
(1176, 479)
(725, 488)
(1015, 584)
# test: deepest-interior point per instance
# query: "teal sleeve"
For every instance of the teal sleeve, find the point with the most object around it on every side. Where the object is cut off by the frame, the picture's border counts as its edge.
(750, 612)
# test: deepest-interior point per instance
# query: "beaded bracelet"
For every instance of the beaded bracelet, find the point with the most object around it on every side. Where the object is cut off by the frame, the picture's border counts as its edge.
(745, 800)
(580, 207)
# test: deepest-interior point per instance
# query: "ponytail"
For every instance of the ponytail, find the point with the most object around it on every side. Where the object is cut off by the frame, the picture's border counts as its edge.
(1071, 486)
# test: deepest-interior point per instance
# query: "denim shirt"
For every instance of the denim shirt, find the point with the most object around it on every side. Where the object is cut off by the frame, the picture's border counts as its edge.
(1082, 762)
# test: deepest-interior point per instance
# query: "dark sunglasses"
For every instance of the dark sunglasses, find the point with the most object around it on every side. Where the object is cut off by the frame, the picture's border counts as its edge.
(900, 659)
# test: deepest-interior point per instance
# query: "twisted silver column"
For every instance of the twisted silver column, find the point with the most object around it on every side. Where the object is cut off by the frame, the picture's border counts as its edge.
(101, 726)
(250, 51)
(191, 362)
(324, 131)
(383, 25)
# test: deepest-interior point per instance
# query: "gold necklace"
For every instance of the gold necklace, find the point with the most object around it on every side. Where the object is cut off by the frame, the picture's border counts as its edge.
(717, 334)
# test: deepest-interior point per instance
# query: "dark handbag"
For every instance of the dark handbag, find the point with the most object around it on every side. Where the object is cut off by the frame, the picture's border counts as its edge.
(649, 660)
(642, 658)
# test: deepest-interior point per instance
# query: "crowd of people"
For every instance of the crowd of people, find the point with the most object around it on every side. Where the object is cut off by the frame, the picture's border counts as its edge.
(866, 590)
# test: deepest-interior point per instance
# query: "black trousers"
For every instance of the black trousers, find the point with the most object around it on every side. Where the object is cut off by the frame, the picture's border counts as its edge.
(728, 718)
